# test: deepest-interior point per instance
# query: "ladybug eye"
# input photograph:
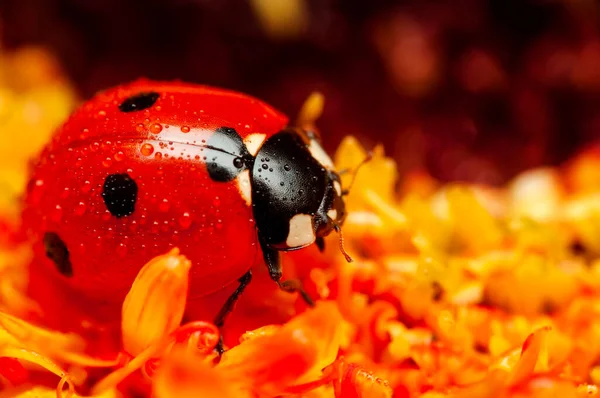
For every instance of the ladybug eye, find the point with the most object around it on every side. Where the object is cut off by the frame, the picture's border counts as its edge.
(56, 250)
(139, 102)
(120, 194)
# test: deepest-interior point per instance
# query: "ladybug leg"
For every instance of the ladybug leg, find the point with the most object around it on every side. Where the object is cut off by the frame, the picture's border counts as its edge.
(229, 305)
(320, 242)
(274, 265)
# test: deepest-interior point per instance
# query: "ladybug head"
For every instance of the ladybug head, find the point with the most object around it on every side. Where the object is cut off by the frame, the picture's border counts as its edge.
(296, 193)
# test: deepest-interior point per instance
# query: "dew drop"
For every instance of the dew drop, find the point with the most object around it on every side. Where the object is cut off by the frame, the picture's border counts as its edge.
(87, 187)
(185, 220)
(219, 224)
(156, 128)
(79, 210)
(265, 166)
(287, 167)
(121, 250)
(119, 156)
(147, 149)
(56, 214)
(185, 129)
(158, 155)
(139, 128)
(107, 162)
(164, 205)
(102, 113)
(94, 146)
(238, 163)
(216, 202)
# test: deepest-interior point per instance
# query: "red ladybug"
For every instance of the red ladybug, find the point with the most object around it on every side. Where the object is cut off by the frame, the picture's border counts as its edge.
(150, 165)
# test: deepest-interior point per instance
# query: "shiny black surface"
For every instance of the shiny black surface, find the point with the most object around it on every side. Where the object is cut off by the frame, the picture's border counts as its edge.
(286, 180)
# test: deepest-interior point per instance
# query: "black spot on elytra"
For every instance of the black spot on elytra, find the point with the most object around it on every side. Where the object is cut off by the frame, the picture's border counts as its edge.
(139, 102)
(120, 194)
(226, 155)
(56, 250)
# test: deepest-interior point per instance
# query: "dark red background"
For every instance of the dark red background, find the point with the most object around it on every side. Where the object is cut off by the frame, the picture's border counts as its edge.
(540, 114)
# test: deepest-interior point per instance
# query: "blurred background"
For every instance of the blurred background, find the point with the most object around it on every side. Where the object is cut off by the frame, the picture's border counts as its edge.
(471, 90)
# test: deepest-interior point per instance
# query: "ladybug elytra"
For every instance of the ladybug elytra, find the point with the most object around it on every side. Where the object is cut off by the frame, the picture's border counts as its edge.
(149, 165)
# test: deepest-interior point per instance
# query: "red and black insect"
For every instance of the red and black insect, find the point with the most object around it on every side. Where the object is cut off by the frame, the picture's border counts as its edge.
(150, 165)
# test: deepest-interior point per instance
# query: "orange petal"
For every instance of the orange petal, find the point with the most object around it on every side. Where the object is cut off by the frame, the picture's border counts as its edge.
(356, 382)
(530, 353)
(155, 304)
(294, 354)
(183, 376)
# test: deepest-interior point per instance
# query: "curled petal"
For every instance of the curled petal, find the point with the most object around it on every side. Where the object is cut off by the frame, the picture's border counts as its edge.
(294, 354)
(155, 304)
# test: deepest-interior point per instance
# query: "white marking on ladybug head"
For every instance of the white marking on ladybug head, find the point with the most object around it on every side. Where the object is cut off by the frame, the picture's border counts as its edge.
(337, 187)
(243, 181)
(301, 231)
(332, 213)
(253, 142)
(317, 152)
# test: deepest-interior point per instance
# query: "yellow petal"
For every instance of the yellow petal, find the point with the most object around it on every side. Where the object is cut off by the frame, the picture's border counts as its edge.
(67, 347)
(155, 304)
(312, 109)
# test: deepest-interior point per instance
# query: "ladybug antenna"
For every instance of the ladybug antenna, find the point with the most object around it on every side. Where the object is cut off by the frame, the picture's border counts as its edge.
(367, 158)
(338, 229)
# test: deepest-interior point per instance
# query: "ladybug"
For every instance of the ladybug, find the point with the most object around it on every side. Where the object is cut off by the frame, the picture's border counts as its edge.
(149, 165)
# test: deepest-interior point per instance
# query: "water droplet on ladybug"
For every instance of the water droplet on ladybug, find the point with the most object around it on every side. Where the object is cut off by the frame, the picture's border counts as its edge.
(185, 129)
(56, 214)
(185, 220)
(86, 187)
(156, 128)
(79, 210)
(94, 146)
(164, 205)
(147, 149)
(139, 128)
(238, 162)
(102, 113)
(271, 170)
(121, 250)
(216, 201)
(107, 162)
(158, 155)
(219, 224)
(65, 193)
(119, 156)
(282, 183)
(265, 166)
(287, 167)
